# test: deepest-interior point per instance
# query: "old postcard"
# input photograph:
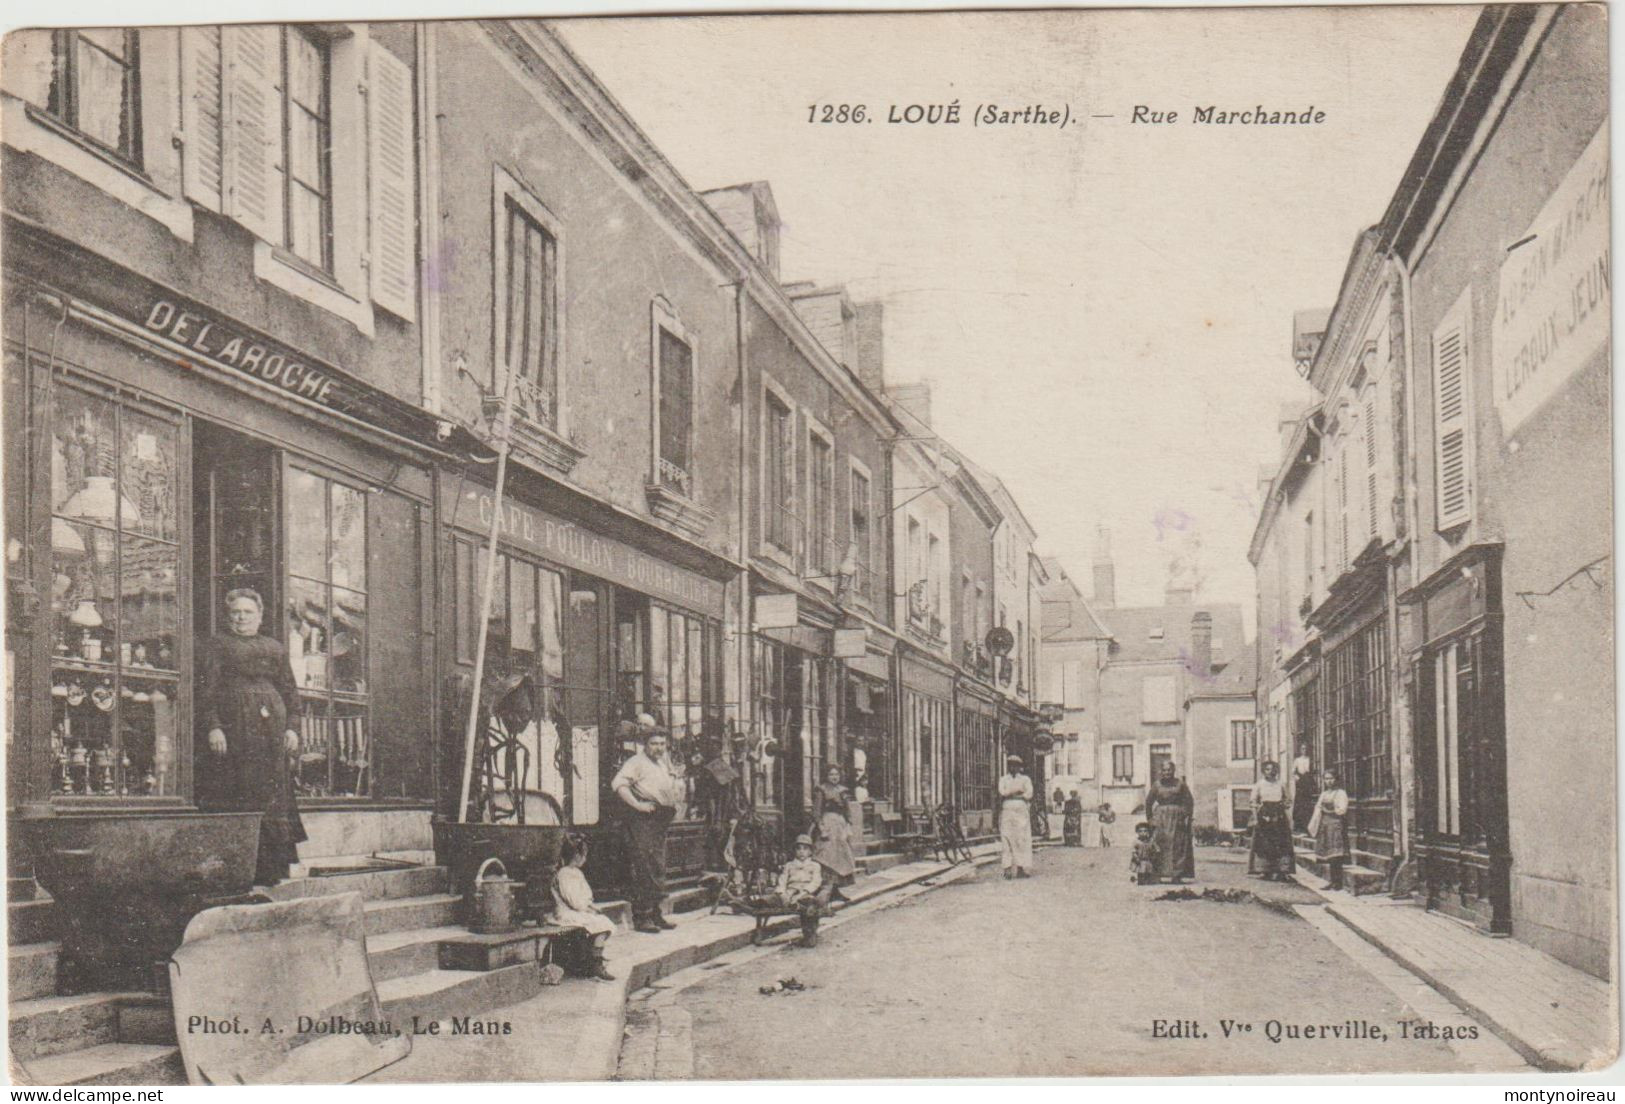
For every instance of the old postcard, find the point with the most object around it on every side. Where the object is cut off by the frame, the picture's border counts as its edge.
(552, 549)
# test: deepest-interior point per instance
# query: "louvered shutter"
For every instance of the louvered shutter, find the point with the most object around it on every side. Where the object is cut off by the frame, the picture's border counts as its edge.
(1371, 504)
(253, 128)
(392, 197)
(1453, 461)
(202, 104)
(1343, 502)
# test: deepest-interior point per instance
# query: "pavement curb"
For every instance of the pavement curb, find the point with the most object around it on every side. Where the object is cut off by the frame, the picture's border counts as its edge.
(1536, 1055)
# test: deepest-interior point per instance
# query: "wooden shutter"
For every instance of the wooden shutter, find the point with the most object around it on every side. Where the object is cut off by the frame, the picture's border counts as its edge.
(252, 169)
(1371, 504)
(392, 198)
(1452, 455)
(1343, 502)
(202, 103)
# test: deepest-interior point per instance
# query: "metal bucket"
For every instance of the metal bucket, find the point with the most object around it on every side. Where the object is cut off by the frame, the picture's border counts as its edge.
(490, 906)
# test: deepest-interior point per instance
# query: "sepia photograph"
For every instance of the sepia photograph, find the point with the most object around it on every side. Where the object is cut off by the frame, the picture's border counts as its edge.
(1067, 543)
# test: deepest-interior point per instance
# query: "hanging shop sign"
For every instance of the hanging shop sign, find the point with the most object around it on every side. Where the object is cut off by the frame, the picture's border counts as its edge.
(569, 545)
(1553, 306)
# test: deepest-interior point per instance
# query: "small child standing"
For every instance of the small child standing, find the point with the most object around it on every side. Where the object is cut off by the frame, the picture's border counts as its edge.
(574, 904)
(1143, 863)
(800, 885)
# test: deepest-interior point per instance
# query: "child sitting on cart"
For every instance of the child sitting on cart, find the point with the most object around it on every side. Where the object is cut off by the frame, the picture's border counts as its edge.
(801, 887)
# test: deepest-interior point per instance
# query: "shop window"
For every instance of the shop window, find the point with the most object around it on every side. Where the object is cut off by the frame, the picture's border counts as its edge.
(585, 698)
(115, 599)
(307, 123)
(1357, 712)
(327, 633)
(771, 722)
(1243, 739)
(96, 88)
(676, 461)
(1123, 764)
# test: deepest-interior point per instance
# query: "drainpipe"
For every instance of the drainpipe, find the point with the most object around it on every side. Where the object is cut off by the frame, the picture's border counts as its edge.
(428, 213)
(743, 639)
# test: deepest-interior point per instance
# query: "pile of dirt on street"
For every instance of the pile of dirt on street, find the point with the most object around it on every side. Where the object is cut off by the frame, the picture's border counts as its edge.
(1226, 897)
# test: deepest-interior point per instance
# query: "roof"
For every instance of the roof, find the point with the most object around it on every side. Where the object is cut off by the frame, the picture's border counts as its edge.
(1066, 615)
(1132, 629)
(1237, 679)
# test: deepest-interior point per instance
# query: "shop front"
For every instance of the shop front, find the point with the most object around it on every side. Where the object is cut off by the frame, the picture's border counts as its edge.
(161, 455)
(977, 756)
(603, 629)
(926, 699)
(1455, 653)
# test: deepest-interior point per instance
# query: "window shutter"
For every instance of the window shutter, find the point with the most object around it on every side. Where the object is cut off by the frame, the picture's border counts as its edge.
(253, 128)
(1453, 462)
(202, 100)
(1343, 503)
(1371, 505)
(392, 197)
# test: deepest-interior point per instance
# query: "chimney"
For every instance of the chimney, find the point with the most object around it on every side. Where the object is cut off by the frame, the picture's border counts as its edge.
(1105, 571)
(749, 213)
(914, 398)
(1201, 644)
(870, 356)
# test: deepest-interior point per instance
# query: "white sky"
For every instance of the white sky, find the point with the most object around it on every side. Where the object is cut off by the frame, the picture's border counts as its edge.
(1105, 310)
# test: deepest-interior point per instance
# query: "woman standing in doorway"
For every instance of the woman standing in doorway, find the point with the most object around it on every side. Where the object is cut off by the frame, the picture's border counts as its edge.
(1304, 789)
(1168, 806)
(247, 703)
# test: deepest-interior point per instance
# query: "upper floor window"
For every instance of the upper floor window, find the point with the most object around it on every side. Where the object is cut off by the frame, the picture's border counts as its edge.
(1243, 738)
(307, 126)
(96, 88)
(862, 533)
(778, 476)
(1123, 763)
(821, 498)
(676, 411)
(527, 307)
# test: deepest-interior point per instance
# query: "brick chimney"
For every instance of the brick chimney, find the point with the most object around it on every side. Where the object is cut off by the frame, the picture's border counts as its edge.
(1201, 644)
(751, 215)
(869, 360)
(1105, 595)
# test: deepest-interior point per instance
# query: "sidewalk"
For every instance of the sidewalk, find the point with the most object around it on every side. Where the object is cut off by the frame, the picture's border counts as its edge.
(1557, 1017)
(572, 1032)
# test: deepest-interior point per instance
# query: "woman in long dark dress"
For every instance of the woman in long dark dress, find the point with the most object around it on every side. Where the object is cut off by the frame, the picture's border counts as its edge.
(246, 701)
(1271, 853)
(1305, 789)
(1072, 825)
(1168, 806)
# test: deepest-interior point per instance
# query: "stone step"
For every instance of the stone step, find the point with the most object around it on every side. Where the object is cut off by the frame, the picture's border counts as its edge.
(403, 953)
(431, 910)
(374, 885)
(438, 994)
(1360, 879)
(21, 889)
(106, 1064)
(43, 1026)
(31, 969)
(30, 921)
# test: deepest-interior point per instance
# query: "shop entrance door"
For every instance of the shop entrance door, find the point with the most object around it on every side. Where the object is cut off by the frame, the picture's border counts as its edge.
(235, 531)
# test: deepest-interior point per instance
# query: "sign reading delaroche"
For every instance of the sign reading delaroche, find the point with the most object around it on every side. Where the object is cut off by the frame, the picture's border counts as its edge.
(569, 545)
(1552, 309)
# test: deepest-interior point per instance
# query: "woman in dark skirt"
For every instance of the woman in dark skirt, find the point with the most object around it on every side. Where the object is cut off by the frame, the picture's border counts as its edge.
(1168, 806)
(246, 703)
(1305, 789)
(1072, 825)
(1271, 853)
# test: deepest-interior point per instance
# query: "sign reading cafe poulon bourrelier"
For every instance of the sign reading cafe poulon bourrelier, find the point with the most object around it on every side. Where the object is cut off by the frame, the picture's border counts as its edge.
(569, 545)
(1552, 309)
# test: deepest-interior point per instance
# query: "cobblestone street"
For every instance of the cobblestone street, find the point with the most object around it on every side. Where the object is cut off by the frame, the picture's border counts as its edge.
(1070, 974)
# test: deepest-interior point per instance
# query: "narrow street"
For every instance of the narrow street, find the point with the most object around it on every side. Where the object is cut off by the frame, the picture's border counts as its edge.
(1069, 974)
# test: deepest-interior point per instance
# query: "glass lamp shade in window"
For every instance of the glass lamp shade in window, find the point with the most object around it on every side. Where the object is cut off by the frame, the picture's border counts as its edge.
(85, 615)
(98, 503)
(65, 542)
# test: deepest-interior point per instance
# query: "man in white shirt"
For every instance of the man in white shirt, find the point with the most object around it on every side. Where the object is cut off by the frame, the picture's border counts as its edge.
(648, 794)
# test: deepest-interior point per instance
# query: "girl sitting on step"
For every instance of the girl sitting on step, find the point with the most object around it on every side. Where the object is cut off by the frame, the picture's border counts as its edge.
(573, 903)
